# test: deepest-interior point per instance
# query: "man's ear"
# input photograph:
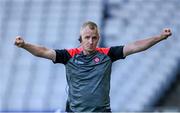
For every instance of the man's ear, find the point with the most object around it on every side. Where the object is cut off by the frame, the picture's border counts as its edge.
(80, 39)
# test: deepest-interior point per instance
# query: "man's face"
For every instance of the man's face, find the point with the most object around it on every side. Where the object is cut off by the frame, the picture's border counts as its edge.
(90, 39)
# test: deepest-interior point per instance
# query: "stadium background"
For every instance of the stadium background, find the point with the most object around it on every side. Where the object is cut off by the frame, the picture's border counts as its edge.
(139, 83)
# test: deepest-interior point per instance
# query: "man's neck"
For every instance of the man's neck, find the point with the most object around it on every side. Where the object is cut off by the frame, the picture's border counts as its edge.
(88, 52)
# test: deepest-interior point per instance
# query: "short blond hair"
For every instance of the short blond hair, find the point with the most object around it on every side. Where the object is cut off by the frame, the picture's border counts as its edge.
(91, 25)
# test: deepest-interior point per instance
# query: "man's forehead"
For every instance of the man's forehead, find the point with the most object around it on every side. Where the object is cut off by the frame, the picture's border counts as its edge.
(88, 31)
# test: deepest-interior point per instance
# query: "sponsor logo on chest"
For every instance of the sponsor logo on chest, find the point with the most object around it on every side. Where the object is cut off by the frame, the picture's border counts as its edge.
(78, 61)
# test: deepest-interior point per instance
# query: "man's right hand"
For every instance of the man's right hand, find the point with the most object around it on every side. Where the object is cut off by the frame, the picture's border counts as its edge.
(19, 41)
(36, 50)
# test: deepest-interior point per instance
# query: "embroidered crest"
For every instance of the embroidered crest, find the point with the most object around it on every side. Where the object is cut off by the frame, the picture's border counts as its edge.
(96, 60)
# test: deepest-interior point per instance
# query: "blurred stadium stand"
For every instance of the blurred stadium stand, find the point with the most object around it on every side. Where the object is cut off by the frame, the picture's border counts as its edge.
(169, 101)
(137, 83)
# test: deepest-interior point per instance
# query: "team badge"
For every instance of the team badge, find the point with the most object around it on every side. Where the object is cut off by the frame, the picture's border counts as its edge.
(96, 59)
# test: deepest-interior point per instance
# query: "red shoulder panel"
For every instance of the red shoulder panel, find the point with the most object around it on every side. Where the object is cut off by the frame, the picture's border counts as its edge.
(74, 51)
(103, 50)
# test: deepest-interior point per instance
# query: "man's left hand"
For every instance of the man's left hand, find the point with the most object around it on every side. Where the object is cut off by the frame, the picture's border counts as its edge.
(166, 33)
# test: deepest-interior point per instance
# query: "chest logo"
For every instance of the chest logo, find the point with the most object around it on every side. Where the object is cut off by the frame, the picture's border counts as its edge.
(78, 62)
(96, 60)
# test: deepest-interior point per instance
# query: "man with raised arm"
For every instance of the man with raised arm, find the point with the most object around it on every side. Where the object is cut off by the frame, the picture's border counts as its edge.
(88, 68)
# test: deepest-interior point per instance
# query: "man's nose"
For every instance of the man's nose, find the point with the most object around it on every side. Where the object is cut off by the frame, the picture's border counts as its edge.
(90, 41)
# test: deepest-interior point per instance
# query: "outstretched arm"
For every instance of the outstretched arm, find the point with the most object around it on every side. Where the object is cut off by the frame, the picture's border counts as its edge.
(36, 50)
(144, 44)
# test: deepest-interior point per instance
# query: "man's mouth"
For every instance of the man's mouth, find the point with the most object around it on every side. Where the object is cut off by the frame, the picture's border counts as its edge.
(89, 46)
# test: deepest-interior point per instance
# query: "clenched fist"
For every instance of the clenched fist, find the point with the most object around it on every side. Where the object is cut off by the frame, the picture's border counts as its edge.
(166, 33)
(19, 41)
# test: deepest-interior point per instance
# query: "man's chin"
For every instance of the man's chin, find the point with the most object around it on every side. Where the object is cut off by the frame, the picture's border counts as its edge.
(91, 50)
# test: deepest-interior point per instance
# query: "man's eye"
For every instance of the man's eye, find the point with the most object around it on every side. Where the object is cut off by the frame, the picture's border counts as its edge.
(94, 37)
(87, 37)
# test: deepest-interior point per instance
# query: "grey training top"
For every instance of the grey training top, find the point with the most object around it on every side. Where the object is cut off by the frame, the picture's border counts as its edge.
(88, 76)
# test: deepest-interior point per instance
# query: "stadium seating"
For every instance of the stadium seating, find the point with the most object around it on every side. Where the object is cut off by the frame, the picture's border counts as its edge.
(144, 77)
(29, 83)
